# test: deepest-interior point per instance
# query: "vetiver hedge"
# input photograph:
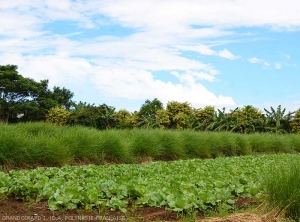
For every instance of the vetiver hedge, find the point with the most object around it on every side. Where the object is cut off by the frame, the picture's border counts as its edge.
(32, 144)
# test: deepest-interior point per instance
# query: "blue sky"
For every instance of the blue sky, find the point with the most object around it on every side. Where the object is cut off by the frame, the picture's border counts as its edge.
(224, 53)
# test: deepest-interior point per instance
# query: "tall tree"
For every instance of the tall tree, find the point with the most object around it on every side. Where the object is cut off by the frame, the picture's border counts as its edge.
(149, 108)
(20, 95)
(148, 114)
(63, 97)
(16, 92)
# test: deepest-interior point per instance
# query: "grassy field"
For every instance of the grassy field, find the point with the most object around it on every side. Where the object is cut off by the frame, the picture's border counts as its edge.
(34, 144)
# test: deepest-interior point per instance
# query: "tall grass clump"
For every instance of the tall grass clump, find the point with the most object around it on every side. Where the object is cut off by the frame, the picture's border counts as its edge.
(223, 144)
(196, 145)
(31, 144)
(242, 144)
(83, 144)
(295, 142)
(112, 144)
(281, 183)
(144, 143)
(270, 143)
(12, 144)
(170, 145)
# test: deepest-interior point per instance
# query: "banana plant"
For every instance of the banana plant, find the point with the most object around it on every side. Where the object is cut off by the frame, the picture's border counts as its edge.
(221, 121)
(149, 122)
(276, 121)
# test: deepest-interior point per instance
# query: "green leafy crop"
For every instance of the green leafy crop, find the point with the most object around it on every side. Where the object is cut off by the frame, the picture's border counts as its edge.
(178, 186)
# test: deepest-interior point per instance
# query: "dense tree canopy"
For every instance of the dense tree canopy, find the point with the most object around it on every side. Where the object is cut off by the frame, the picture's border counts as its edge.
(26, 98)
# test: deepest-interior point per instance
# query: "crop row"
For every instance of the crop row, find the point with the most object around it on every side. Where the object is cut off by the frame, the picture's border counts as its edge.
(178, 185)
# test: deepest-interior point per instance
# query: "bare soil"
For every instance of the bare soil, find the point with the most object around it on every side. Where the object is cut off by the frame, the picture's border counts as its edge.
(18, 210)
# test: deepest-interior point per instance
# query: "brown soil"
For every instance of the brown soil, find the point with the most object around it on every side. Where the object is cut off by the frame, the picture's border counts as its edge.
(17, 210)
(242, 217)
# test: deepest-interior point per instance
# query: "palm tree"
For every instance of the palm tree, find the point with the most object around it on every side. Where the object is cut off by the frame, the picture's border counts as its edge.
(277, 121)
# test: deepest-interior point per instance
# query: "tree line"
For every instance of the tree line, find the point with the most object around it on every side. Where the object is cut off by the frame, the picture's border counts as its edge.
(23, 99)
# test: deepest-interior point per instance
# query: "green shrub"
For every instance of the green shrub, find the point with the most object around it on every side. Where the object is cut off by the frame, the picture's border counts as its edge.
(58, 116)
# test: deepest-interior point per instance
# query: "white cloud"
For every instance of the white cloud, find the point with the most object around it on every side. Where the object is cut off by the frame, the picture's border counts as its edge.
(205, 50)
(59, 69)
(255, 60)
(172, 15)
(228, 55)
(133, 84)
(278, 65)
(119, 81)
(259, 61)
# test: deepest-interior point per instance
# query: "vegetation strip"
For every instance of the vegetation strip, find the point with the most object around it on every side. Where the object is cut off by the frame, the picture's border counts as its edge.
(36, 144)
(183, 185)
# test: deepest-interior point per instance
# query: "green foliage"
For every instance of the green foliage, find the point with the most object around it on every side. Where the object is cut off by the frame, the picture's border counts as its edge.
(178, 113)
(100, 117)
(136, 119)
(145, 143)
(20, 95)
(250, 119)
(196, 145)
(180, 186)
(204, 117)
(124, 119)
(278, 122)
(281, 183)
(148, 114)
(163, 118)
(295, 123)
(34, 144)
(149, 108)
(148, 122)
(58, 116)
(63, 97)
(15, 92)
(222, 121)
(42, 143)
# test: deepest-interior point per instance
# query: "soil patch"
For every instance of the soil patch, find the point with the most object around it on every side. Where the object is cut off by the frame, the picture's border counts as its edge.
(241, 217)
(18, 210)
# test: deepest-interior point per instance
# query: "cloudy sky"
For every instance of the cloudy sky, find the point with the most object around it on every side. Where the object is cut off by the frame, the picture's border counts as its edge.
(224, 53)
